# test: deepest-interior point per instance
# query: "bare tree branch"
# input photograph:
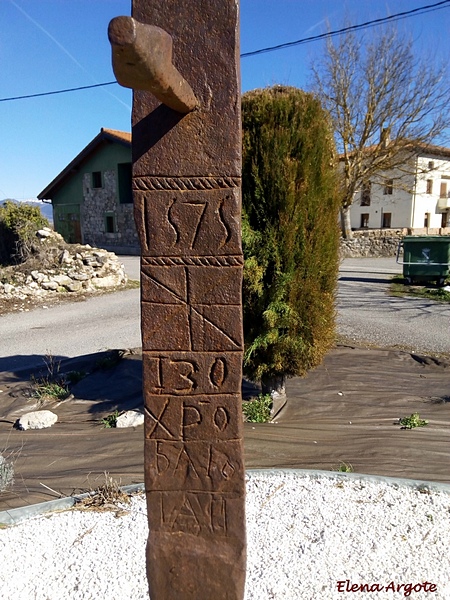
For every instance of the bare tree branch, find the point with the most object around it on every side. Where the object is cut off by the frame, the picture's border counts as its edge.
(384, 104)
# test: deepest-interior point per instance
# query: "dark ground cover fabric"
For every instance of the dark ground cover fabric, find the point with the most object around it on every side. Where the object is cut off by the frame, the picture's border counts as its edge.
(346, 410)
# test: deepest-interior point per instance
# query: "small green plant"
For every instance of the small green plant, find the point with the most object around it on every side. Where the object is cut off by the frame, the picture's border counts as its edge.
(52, 385)
(257, 410)
(413, 421)
(6, 473)
(50, 390)
(345, 468)
(74, 377)
(111, 420)
(400, 288)
(438, 294)
(109, 361)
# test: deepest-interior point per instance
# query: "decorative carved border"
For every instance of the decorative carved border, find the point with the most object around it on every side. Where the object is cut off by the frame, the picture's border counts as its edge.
(188, 261)
(146, 184)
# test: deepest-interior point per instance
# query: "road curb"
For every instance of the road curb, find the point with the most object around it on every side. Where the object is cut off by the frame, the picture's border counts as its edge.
(18, 515)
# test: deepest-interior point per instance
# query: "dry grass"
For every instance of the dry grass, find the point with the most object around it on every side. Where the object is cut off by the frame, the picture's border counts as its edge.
(106, 497)
(6, 473)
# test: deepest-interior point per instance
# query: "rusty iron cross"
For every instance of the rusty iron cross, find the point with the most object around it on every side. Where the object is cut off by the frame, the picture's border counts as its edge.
(186, 186)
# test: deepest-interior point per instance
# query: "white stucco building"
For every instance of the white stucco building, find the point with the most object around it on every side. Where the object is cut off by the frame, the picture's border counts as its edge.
(415, 198)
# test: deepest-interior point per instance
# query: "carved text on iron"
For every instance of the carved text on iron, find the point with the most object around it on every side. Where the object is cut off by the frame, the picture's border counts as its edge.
(186, 187)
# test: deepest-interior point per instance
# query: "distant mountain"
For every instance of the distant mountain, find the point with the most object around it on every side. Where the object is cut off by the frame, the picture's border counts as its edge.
(46, 209)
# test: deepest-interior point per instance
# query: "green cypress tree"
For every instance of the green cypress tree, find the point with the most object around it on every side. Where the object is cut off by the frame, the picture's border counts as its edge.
(290, 235)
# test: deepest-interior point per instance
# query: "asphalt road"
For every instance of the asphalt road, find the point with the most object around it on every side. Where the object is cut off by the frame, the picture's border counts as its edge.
(70, 329)
(365, 313)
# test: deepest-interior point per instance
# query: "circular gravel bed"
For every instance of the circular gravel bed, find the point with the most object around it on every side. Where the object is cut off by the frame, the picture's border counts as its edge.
(310, 536)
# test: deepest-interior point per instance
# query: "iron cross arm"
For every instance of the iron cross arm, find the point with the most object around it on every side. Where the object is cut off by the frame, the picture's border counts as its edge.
(142, 60)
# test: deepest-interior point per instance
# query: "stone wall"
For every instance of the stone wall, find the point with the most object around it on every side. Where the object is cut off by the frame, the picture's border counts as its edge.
(381, 242)
(100, 202)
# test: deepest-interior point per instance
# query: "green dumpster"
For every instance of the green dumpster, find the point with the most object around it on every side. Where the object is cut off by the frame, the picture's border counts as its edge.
(425, 258)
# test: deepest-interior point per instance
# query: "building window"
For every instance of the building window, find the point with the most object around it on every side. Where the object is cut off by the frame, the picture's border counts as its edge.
(365, 194)
(365, 220)
(124, 183)
(387, 220)
(426, 220)
(97, 179)
(431, 165)
(443, 192)
(110, 223)
(429, 186)
(444, 219)
(388, 187)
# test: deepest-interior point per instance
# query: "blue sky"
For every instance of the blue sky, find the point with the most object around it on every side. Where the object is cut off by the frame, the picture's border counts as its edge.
(49, 45)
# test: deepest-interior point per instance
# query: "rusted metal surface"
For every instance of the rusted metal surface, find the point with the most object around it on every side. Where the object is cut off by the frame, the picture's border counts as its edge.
(186, 182)
(142, 59)
(207, 141)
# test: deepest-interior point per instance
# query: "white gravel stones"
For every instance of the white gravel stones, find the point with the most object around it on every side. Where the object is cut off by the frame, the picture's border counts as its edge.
(306, 536)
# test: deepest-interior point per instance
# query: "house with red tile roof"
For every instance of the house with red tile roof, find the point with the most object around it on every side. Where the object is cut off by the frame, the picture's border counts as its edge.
(92, 198)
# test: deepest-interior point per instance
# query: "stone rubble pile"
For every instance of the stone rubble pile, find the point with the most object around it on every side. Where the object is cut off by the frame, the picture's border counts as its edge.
(80, 269)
